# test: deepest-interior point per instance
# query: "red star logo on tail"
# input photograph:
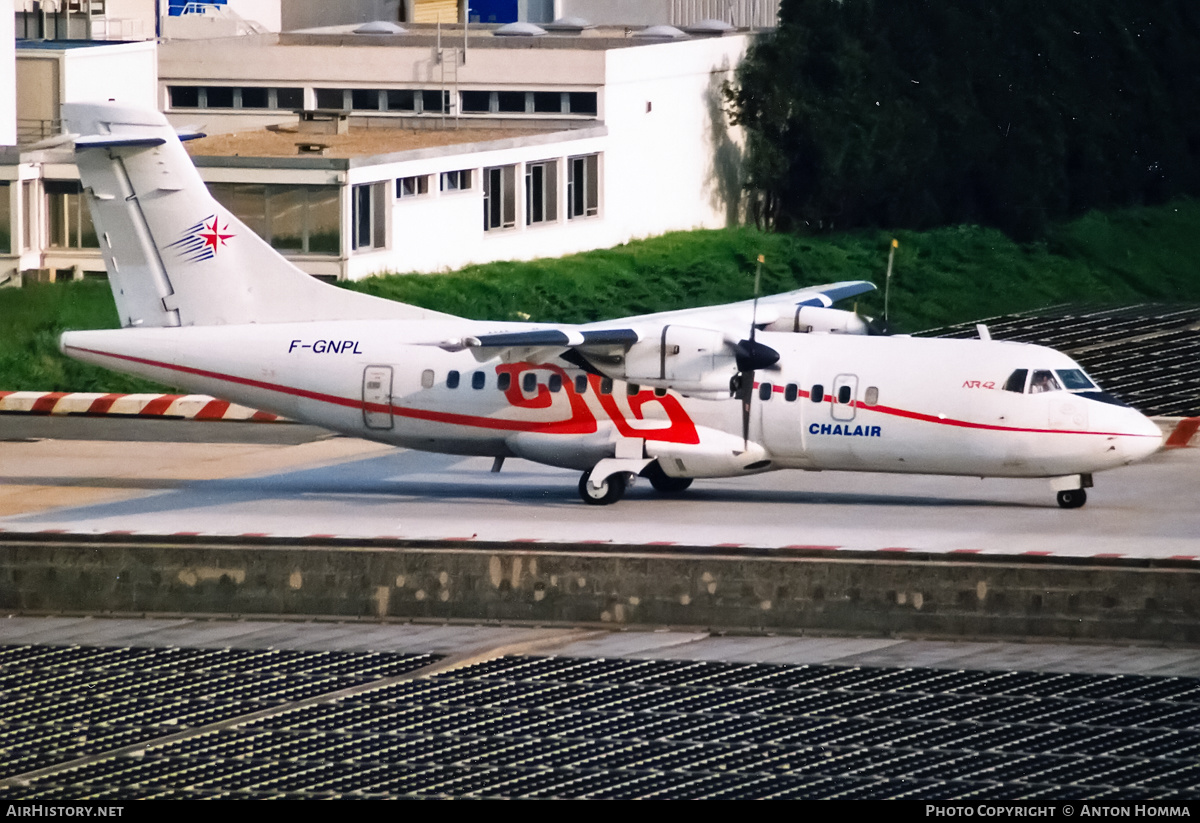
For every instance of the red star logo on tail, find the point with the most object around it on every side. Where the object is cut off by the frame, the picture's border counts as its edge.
(212, 235)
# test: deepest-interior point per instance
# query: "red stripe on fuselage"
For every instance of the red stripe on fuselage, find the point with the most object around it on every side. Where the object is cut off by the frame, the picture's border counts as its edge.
(449, 418)
(555, 427)
(948, 421)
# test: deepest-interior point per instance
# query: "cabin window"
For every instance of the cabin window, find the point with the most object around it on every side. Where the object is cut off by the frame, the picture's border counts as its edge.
(606, 385)
(1016, 381)
(1075, 380)
(765, 390)
(478, 380)
(791, 392)
(844, 395)
(818, 393)
(660, 392)
(452, 380)
(871, 398)
(529, 381)
(581, 384)
(504, 381)
(1043, 381)
(632, 388)
(555, 382)
(427, 379)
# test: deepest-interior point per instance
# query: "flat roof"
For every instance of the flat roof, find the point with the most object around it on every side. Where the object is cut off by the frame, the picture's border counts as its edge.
(484, 36)
(365, 146)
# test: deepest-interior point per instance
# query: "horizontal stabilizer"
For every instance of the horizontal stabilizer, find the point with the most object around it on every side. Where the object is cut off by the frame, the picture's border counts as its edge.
(116, 142)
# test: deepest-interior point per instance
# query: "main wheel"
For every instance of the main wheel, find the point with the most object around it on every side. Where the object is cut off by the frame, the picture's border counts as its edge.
(1072, 498)
(663, 482)
(610, 491)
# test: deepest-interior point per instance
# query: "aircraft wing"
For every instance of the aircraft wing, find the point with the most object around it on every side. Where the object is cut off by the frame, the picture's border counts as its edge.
(695, 351)
(737, 316)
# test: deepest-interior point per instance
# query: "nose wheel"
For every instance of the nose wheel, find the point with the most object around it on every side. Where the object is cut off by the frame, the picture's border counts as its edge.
(611, 489)
(1072, 498)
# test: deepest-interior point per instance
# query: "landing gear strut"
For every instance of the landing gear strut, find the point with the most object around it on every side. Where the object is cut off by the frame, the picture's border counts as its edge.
(662, 482)
(1072, 498)
(610, 491)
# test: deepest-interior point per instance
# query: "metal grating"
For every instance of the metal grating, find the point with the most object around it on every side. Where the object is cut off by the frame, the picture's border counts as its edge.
(110, 724)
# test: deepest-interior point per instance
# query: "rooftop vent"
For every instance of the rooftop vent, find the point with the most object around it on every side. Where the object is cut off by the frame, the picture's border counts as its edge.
(710, 27)
(569, 24)
(380, 27)
(519, 30)
(660, 33)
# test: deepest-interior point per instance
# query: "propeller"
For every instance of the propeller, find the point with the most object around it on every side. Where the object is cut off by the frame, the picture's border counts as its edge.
(749, 356)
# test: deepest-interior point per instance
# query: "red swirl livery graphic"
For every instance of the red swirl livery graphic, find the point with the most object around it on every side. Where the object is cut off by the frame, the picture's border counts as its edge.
(201, 241)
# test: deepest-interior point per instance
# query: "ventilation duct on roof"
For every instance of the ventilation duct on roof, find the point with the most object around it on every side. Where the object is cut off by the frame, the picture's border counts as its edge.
(519, 30)
(380, 27)
(660, 33)
(569, 24)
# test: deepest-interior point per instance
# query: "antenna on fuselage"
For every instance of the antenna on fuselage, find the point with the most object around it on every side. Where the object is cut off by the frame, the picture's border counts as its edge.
(887, 283)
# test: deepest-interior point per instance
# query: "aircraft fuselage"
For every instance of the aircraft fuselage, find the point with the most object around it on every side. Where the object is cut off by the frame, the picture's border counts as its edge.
(833, 401)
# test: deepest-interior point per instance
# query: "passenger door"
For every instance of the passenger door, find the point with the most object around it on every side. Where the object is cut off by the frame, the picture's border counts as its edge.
(377, 397)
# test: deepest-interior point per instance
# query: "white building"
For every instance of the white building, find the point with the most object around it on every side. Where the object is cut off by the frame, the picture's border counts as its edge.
(613, 136)
(45, 225)
(455, 149)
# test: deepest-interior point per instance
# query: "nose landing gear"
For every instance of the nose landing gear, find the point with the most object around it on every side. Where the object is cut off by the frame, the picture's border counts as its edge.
(1072, 498)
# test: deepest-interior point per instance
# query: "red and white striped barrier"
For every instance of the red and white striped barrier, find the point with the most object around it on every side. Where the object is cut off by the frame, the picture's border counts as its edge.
(190, 406)
(1179, 432)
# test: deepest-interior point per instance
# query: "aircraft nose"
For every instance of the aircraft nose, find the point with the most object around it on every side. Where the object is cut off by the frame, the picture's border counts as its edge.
(1144, 437)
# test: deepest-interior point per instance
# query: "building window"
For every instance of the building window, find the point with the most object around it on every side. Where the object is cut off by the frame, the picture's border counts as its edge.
(529, 102)
(68, 220)
(541, 192)
(6, 218)
(331, 99)
(499, 197)
(303, 219)
(412, 186)
(581, 102)
(234, 97)
(370, 231)
(456, 180)
(583, 186)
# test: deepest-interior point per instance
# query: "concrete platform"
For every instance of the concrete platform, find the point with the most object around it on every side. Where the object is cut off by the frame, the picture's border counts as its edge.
(341, 486)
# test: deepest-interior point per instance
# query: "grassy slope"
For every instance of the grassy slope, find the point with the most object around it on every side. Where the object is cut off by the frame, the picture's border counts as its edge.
(943, 276)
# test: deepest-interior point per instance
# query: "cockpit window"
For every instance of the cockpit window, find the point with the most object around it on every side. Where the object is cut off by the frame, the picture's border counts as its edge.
(1016, 381)
(1076, 380)
(1043, 381)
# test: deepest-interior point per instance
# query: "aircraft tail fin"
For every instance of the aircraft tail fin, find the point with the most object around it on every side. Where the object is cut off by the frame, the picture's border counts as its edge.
(175, 256)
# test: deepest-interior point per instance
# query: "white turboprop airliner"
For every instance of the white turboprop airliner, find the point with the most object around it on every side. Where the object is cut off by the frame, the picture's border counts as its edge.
(789, 383)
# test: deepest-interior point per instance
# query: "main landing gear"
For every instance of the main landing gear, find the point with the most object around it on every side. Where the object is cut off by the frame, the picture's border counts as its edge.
(614, 486)
(662, 482)
(611, 489)
(1072, 498)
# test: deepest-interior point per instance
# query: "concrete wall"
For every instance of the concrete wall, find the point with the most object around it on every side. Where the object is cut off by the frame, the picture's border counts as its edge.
(868, 594)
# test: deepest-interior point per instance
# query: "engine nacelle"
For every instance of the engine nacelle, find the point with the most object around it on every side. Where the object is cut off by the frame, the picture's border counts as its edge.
(718, 454)
(692, 361)
(820, 319)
